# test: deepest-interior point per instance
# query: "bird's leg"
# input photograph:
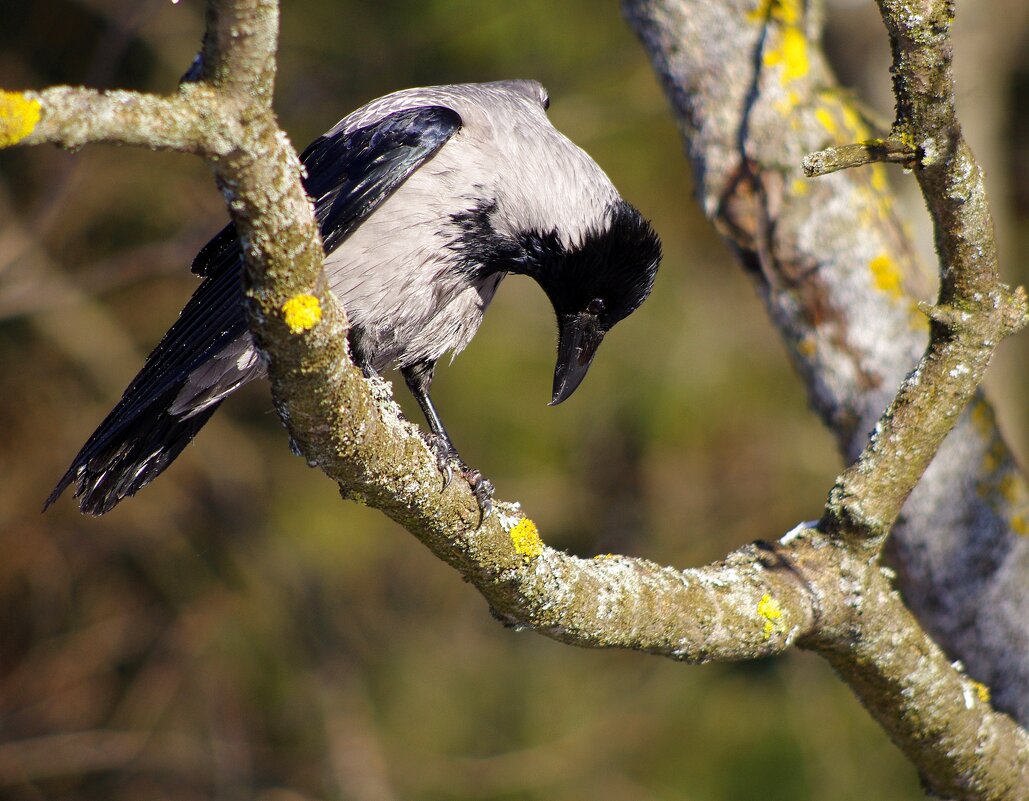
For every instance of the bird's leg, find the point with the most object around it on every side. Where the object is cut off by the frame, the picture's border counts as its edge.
(419, 378)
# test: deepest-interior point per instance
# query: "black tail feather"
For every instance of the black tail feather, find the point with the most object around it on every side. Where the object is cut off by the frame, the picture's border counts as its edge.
(140, 437)
(119, 461)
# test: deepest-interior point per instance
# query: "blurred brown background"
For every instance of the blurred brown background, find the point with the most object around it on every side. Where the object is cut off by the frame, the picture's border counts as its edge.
(236, 631)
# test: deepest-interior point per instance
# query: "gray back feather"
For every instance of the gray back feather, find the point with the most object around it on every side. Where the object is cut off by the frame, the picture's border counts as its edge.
(398, 275)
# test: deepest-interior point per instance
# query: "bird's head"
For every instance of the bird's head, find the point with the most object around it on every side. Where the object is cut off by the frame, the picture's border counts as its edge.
(593, 283)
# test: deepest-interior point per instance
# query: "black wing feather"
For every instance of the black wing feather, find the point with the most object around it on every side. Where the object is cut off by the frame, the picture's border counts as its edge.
(348, 175)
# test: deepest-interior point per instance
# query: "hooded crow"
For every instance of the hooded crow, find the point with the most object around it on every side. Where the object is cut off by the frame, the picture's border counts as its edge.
(426, 199)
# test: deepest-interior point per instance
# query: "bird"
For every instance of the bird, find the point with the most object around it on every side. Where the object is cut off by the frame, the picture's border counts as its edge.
(426, 199)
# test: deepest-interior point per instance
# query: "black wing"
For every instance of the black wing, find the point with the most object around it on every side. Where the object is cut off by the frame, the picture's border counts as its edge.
(348, 175)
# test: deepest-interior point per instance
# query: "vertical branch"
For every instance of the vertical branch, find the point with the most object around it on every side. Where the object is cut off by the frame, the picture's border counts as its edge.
(841, 281)
(974, 311)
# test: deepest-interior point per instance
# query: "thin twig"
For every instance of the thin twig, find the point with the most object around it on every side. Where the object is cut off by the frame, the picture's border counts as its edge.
(832, 159)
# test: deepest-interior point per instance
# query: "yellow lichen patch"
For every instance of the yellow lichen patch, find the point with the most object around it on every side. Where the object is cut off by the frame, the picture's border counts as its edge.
(998, 454)
(604, 556)
(884, 206)
(827, 120)
(19, 116)
(760, 14)
(769, 609)
(784, 11)
(787, 103)
(1010, 488)
(302, 313)
(886, 275)
(526, 539)
(807, 346)
(879, 183)
(854, 121)
(982, 691)
(1020, 525)
(790, 48)
(791, 53)
(982, 418)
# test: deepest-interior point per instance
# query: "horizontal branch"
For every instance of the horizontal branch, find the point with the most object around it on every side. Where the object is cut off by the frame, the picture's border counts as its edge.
(749, 606)
(348, 426)
(191, 121)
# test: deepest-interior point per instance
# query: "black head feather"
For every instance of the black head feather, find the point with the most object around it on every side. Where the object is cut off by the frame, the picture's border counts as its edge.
(608, 274)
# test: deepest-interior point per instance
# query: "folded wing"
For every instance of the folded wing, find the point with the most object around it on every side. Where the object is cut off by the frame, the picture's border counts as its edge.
(208, 352)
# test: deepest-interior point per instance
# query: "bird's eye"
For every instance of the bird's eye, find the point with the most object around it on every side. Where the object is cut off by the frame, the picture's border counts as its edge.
(596, 306)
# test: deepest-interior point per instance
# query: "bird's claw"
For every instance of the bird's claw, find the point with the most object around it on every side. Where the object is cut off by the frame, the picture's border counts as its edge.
(447, 459)
(482, 489)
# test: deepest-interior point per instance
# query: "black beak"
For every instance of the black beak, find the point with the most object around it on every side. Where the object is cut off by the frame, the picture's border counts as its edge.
(578, 337)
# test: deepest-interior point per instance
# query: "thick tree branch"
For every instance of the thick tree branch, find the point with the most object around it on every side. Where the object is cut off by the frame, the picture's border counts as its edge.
(938, 716)
(750, 605)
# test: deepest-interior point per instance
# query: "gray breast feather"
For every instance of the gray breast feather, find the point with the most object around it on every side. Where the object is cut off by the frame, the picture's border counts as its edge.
(507, 150)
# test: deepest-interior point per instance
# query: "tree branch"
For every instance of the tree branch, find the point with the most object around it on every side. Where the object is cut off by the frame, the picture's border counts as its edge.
(938, 716)
(753, 96)
(822, 591)
(747, 606)
(859, 154)
(981, 311)
(187, 122)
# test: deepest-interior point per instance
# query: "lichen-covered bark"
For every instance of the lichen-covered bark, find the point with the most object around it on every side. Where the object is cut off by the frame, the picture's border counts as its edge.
(823, 591)
(934, 713)
(187, 122)
(754, 96)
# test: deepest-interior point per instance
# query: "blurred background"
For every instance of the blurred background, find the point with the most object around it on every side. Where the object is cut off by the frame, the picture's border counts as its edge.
(199, 643)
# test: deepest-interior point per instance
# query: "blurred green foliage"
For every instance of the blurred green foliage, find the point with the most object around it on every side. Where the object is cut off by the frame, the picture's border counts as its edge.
(236, 631)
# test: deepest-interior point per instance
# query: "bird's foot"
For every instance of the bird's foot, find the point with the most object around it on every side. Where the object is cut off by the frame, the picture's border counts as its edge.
(447, 459)
(482, 489)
